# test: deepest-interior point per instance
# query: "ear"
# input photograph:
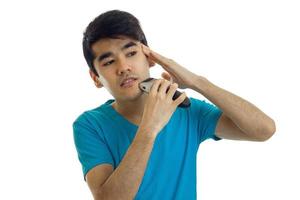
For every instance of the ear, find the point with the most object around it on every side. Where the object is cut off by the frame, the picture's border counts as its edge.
(96, 80)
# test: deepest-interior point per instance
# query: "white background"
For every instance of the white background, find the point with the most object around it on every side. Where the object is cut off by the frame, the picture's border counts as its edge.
(251, 48)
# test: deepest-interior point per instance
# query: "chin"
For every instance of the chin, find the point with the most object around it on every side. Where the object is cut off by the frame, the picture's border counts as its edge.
(135, 96)
(131, 96)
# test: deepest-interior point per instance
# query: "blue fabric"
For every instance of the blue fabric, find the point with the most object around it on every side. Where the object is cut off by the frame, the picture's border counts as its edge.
(102, 135)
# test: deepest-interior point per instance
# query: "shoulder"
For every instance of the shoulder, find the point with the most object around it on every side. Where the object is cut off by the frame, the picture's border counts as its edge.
(200, 106)
(89, 122)
(89, 116)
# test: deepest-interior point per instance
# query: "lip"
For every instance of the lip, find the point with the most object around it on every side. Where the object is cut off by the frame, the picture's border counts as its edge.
(129, 84)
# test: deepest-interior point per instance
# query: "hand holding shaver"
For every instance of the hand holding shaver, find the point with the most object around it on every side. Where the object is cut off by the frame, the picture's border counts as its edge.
(147, 84)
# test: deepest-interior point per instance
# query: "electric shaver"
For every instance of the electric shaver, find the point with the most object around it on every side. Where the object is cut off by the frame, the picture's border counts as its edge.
(147, 84)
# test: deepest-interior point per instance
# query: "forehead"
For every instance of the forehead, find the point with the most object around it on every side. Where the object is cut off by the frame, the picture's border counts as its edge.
(110, 45)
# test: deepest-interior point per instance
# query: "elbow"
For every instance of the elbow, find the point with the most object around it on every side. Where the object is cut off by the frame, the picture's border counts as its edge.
(99, 195)
(103, 194)
(268, 132)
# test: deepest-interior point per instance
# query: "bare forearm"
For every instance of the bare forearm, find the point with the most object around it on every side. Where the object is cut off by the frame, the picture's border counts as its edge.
(244, 114)
(124, 182)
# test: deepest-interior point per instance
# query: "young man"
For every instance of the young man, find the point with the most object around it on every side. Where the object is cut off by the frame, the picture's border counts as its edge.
(143, 146)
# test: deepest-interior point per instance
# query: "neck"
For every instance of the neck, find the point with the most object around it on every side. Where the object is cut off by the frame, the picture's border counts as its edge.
(132, 109)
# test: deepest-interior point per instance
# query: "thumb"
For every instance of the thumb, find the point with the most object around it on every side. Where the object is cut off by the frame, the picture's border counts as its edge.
(167, 76)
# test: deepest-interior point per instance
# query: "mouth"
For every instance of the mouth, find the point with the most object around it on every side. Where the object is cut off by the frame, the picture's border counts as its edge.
(128, 82)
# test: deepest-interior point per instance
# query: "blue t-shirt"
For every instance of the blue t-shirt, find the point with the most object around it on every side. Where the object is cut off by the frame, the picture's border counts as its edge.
(102, 135)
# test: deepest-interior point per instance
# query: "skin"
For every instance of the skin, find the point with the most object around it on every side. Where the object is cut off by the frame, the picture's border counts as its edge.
(129, 102)
(157, 108)
(241, 120)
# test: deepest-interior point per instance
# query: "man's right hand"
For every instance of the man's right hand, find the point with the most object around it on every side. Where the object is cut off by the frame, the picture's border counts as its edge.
(160, 106)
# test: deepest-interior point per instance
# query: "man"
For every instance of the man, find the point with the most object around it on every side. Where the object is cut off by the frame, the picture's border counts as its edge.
(143, 146)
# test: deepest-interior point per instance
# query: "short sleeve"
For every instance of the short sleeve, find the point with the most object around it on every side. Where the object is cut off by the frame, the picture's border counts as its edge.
(91, 148)
(206, 116)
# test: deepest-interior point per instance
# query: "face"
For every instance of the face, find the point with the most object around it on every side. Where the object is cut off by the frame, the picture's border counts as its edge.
(116, 59)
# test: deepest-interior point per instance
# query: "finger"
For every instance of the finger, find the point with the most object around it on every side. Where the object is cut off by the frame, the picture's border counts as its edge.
(163, 75)
(180, 99)
(163, 87)
(167, 76)
(161, 60)
(155, 86)
(172, 90)
(146, 50)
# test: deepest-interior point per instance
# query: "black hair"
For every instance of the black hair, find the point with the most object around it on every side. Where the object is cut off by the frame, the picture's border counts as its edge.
(110, 24)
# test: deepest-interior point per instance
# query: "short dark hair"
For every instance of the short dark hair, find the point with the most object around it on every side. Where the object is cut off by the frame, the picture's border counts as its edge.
(110, 24)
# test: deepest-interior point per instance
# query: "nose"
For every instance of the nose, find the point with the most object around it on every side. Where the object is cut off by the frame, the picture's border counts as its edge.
(123, 66)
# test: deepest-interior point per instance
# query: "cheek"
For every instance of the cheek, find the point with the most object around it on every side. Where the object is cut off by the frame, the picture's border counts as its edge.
(104, 81)
(141, 62)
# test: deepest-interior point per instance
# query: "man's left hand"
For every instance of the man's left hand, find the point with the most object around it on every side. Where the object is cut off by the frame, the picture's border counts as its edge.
(175, 73)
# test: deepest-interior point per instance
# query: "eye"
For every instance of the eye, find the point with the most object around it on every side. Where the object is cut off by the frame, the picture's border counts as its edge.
(131, 53)
(108, 63)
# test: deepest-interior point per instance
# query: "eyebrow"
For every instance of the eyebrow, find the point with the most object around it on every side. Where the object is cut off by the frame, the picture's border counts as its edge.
(108, 54)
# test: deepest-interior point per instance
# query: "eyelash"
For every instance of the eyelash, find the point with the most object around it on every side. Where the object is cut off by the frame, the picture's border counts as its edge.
(110, 62)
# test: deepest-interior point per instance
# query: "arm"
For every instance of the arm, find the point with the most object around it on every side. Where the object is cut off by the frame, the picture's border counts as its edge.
(240, 120)
(124, 182)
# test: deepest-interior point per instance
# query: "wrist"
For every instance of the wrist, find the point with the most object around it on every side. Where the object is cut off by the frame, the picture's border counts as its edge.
(201, 84)
(148, 132)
